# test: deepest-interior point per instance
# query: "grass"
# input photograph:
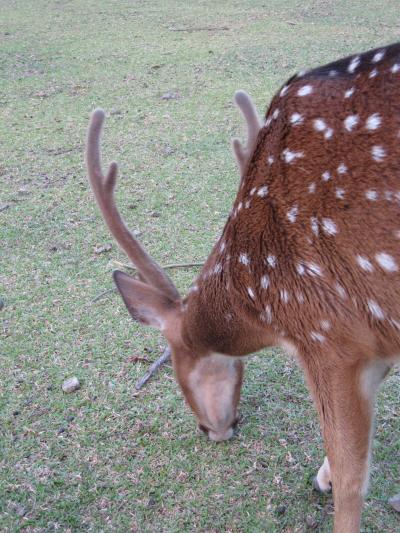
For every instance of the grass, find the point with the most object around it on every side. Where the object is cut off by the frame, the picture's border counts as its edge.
(103, 458)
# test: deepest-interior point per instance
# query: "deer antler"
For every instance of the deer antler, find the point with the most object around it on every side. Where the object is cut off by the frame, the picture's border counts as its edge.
(103, 189)
(253, 122)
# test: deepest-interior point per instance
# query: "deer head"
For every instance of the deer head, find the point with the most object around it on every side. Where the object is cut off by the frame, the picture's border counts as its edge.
(202, 342)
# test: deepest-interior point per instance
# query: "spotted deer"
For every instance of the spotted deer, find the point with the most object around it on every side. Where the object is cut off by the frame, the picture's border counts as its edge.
(308, 260)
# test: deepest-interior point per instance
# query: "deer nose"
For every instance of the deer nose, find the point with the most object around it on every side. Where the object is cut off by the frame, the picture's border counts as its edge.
(219, 436)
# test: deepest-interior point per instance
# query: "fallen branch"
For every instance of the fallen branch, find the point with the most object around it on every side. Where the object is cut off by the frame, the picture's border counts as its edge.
(153, 369)
(205, 28)
(104, 293)
(164, 267)
(131, 267)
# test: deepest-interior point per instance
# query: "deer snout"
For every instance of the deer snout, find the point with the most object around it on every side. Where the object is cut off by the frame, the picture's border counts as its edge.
(220, 435)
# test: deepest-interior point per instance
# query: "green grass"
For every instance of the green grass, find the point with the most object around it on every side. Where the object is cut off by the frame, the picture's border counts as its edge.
(103, 458)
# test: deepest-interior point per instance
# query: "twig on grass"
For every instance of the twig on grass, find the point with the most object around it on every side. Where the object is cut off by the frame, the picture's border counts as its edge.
(164, 267)
(131, 267)
(205, 28)
(102, 294)
(153, 369)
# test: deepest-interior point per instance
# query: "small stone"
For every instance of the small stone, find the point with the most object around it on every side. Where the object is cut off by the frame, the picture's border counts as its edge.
(280, 510)
(71, 385)
(169, 96)
(17, 508)
(311, 522)
(101, 249)
(394, 501)
(168, 150)
(155, 214)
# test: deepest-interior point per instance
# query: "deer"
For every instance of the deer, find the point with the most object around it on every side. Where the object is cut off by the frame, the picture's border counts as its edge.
(308, 260)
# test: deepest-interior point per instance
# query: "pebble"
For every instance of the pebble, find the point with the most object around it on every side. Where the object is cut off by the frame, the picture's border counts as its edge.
(71, 385)
(395, 502)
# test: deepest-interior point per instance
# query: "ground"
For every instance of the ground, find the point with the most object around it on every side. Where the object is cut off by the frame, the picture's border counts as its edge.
(105, 458)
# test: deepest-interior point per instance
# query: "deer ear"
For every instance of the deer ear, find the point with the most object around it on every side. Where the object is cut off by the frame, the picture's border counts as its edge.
(145, 303)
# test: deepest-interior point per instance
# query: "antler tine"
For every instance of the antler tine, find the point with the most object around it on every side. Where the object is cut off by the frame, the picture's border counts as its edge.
(253, 122)
(103, 189)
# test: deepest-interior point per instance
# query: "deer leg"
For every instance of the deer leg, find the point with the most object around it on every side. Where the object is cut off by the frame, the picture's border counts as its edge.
(344, 395)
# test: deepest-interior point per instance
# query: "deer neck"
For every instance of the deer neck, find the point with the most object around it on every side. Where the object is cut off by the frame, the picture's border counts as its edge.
(217, 320)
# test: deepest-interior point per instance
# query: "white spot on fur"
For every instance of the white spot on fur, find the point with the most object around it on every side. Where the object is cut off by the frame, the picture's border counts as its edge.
(371, 195)
(341, 169)
(271, 260)
(339, 193)
(244, 259)
(364, 263)
(375, 310)
(267, 314)
(284, 295)
(300, 269)
(292, 213)
(218, 268)
(395, 323)
(247, 204)
(275, 114)
(349, 93)
(265, 281)
(296, 119)
(314, 226)
(389, 196)
(378, 56)
(354, 63)
(329, 226)
(305, 90)
(270, 160)
(253, 190)
(250, 292)
(378, 153)
(314, 269)
(328, 133)
(300, 297)
(262, 191)
(350, 122)
(284, 90)
(311, 188)
(325, 325)
(318, 337)
(340, 290)
(373, 121)
(395, 68)
(290, 156)
(222, 246)
(386, 261)
(326, 176)
(373, 73)
(319, 124)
